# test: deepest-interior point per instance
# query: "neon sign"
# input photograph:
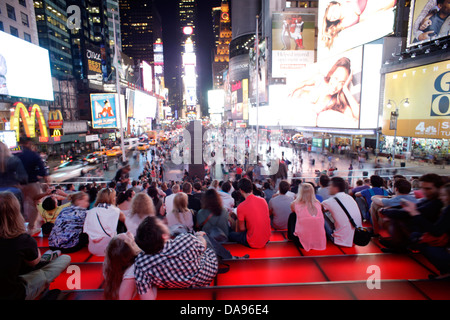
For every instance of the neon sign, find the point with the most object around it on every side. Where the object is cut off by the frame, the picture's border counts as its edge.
(28, 120)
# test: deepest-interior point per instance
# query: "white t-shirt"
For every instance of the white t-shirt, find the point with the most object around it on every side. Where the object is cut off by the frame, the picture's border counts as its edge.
(186, 219)
(344, 232)
(98, 239)
(132, 222)
(169, 203)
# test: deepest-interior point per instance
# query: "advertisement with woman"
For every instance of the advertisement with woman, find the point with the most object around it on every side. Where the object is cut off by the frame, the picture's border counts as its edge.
(345, 24)
(429, 20)
(326, 95)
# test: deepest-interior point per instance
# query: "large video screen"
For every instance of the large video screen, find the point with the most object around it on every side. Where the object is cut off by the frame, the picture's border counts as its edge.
(428, 92)
(293, 42)
(429, 20)
(346, 24)
(9, 138)
(24, 69)
(325, 94)
(144, 105)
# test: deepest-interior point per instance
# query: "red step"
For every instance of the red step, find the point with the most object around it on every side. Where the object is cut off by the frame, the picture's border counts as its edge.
(86, 276)
(271, 250)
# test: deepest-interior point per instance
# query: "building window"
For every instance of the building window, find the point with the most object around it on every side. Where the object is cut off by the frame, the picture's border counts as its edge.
(23, 3)
(1, 26)
(11, 12)
(25, 19)
(27, 37)
(14, 31)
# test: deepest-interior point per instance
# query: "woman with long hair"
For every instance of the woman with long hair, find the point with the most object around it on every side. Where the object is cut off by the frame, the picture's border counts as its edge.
(67, 234)
(213, 217)
(102, 221)
(20, 275)
(181, 218)
(329, 100)
(141, 207)
(309, 226)
(124, 199)
(160, 209)
(118, 269)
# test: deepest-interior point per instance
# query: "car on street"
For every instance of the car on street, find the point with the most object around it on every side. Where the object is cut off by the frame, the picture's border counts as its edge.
(92, 158)
(143, 147)
(70, 170)
(114, 151)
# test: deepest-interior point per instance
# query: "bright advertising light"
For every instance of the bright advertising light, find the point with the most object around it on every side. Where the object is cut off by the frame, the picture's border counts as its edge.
(104, 111)
(147, 76)
(9, 138)
(24, 69)
(188, 31)
(144, 105)
(346, 24)
(216, 101)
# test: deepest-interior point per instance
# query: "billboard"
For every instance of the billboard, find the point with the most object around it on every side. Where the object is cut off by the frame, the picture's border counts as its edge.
(428, 21)
(346, 24)
(144, 105)
(293, 42)
(326, 94)
(24, 69)
(239, 100)
(260, 88)
(94, 65)
(9, 138)
(427, 89)
(216, 101)
(147, 76)
(104, 110)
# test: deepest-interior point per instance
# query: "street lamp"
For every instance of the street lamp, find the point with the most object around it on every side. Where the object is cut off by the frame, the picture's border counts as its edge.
(394, 119)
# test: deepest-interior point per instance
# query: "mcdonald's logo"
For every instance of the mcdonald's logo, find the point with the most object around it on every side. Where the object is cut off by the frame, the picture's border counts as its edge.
(29, 121)
(55, 120)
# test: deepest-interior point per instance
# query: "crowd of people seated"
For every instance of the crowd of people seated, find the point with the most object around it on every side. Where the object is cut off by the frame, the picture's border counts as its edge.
(154, 234)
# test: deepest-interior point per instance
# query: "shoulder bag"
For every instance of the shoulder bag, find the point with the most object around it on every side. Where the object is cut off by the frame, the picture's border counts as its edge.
(362, 235)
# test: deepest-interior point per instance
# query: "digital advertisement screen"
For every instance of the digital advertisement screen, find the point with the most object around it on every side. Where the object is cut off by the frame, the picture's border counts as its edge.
(104, 111)
(429, 20)
(428, 92)
(9, 138)
(216, 101)
(144, 105)
(324, 95)
(260, 87)
(24, 69)
(147, 76)
(293, 42)
(345, 24)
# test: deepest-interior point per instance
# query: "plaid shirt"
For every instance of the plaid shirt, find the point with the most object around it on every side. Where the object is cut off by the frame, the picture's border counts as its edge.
(182, 263)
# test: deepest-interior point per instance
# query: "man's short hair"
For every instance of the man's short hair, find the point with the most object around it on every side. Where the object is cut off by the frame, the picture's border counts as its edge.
(284, 187)
(198, 186)
(324, 180)
(226, 186)
(403, 186)
(338, 183)
(245, 185)
(376, 181)
(149, 236)
(175, 188)
(433, 178)
(359, 183)
(187, 187)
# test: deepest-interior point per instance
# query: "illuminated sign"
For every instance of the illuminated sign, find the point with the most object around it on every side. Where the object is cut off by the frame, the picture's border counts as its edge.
(188, 30)
(55, 120)
(28, 120)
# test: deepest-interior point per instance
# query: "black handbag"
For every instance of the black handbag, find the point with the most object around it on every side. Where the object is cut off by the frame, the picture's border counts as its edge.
(362, 235)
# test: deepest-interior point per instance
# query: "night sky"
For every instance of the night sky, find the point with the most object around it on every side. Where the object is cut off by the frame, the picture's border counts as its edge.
(205, 40)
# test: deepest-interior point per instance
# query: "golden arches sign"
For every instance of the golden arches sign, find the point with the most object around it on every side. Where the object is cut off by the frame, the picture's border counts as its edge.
(28, 120)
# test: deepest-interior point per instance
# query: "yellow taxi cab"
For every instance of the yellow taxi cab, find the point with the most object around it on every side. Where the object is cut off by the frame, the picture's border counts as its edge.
(101, 152)
(114, 151)
(163, 139)
(152, 142)
(143, 147)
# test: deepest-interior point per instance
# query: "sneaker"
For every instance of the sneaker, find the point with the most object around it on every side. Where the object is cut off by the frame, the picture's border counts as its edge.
(240, 258)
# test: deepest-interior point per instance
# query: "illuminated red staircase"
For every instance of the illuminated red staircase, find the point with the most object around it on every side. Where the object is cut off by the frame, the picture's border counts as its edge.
(281, 271)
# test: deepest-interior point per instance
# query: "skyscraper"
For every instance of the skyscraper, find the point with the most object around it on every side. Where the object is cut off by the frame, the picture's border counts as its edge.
(187, 12)
(222, 38)
(137, 22)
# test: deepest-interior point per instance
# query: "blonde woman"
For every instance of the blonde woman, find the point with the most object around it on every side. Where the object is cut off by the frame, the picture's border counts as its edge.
(309, 227)
(141, 207)
(181, 218)
(102, 221)
(20, 276)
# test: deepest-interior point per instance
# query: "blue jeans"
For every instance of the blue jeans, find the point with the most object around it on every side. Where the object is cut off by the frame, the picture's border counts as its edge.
(239, 237)
(329, 228)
